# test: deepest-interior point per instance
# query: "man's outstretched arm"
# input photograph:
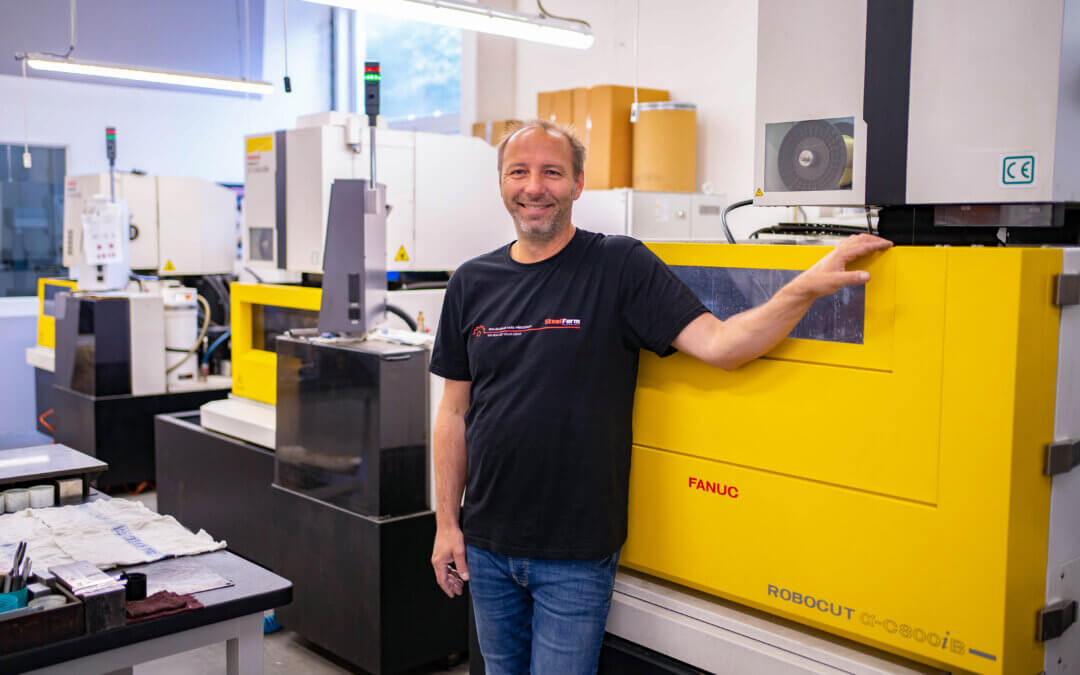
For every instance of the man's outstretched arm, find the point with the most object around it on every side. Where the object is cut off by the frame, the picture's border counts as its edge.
(747, 335)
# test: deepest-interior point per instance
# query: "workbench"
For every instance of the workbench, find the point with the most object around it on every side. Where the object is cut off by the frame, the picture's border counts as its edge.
(233, 615)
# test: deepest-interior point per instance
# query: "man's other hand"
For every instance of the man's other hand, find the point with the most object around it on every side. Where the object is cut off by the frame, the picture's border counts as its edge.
(830, 274)
(450, 548)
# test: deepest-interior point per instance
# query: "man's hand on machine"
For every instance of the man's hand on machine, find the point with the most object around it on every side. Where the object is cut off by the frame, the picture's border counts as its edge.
(747, 335)
(830, 274)
(448, 559)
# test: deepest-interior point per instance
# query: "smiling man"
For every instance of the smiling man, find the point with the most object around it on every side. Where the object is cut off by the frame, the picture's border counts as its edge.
(539, 344)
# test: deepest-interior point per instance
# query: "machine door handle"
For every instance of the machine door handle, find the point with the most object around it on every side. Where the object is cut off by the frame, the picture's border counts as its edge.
(1061, 457)
(1054, 619)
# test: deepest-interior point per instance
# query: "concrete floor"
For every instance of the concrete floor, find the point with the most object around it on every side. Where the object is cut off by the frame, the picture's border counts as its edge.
(284, 652)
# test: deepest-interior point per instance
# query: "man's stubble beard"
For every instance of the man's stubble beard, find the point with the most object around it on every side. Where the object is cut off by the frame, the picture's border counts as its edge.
(555, 225)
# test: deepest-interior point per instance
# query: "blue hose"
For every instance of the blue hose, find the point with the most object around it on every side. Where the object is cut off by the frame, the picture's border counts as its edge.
(214, 345)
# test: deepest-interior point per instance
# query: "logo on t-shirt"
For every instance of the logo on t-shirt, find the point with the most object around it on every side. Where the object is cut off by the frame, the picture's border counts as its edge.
(513, 330)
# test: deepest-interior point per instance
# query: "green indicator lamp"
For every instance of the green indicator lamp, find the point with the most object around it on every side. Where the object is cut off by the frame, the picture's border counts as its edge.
(372, 77)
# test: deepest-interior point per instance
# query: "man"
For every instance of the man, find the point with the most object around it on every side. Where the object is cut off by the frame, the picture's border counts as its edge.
(539, 344)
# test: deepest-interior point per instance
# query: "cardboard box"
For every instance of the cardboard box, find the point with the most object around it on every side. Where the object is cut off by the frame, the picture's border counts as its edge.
(563, 110)
(610, 134)
(556, 106)
(580, 113)
(545, 105)
(493, 132)
(499, 129)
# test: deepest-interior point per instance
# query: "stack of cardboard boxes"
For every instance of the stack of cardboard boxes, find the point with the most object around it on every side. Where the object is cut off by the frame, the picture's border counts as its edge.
(601, 117)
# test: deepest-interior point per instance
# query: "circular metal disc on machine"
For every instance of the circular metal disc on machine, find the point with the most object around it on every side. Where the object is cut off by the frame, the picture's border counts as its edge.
(815, 155)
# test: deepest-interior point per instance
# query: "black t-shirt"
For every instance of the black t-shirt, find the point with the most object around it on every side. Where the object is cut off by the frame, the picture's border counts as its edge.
(551, 349)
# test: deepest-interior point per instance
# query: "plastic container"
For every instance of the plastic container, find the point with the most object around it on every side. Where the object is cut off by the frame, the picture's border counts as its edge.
(136, 585)
(181, 330)
(16, 499)
(12, 600)
(48, 601)
(42, 496)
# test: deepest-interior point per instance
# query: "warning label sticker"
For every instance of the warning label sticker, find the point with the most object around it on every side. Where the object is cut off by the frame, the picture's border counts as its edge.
(259, 143)
(401, 256)
(258, 158)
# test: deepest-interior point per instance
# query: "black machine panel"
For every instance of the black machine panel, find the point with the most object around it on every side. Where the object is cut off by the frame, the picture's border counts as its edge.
(352, 424)
(93, 344)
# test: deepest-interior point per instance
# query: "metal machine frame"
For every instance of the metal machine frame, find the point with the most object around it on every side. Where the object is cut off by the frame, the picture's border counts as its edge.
(255, 370)
(248, 412)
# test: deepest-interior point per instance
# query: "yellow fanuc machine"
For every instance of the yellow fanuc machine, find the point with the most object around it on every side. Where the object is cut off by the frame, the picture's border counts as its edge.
(895, 474)
(882, 477)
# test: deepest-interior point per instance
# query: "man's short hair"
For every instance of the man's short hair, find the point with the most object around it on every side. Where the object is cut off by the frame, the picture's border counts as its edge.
(577, 148)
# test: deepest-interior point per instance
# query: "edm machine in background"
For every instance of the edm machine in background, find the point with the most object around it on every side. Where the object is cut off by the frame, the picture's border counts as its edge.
(324, 441)
(115, 348)
(892, 489)
(443, 208)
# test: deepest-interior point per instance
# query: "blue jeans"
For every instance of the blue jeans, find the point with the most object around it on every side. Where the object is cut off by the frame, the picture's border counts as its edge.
(539, 616)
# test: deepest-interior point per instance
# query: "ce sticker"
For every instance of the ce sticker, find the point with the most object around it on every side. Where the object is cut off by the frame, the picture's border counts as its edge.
(1018, 170)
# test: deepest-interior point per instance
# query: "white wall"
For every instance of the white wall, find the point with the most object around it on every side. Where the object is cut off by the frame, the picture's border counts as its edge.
(18, 331)
(488, 75)
(174, 132)
(702, 51)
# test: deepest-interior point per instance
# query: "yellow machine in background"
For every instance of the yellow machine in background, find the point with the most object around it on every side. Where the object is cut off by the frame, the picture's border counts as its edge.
(46, 325)
(42, 356)
(884, 481)
(258, 312)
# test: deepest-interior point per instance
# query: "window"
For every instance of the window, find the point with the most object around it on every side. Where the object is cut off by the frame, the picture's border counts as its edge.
(726, 291)
(421, 69)
(31, 217)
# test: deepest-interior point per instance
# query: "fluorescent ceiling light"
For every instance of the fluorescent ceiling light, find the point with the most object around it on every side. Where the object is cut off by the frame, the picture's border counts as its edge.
(71, 67)
(465, 15)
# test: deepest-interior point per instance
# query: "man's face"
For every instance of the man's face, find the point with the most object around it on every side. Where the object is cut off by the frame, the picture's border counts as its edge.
(538, 184)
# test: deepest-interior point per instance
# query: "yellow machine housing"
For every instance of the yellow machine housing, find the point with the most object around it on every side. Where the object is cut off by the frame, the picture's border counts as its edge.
(892, 491)
(260, 311)
(46, 323)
